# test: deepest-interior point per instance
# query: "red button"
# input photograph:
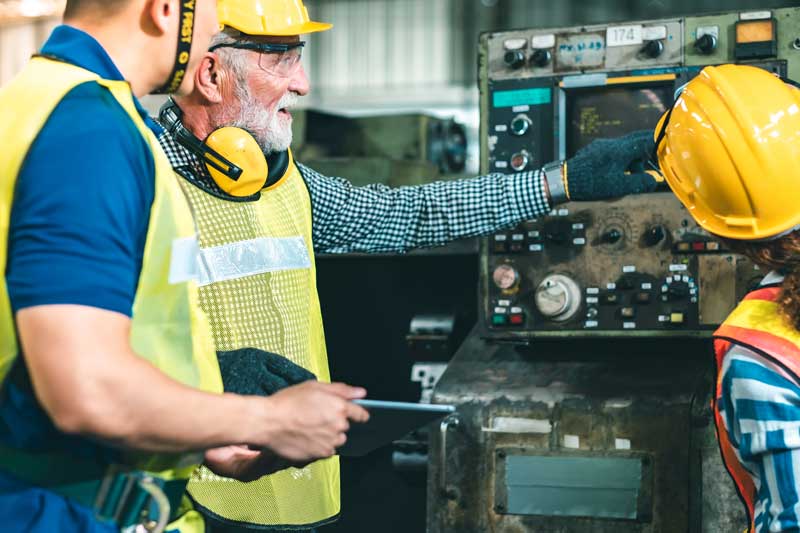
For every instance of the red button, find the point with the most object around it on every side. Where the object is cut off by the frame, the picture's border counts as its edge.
(698, 246)
(517, 319)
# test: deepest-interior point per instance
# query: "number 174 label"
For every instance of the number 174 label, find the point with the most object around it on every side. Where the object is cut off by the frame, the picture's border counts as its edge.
(623, 35)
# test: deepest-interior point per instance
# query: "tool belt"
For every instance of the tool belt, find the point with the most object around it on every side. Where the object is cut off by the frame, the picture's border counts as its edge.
(129, 498)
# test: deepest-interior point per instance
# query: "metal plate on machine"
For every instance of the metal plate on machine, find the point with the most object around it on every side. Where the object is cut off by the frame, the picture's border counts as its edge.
(592, 48)
(578, 486)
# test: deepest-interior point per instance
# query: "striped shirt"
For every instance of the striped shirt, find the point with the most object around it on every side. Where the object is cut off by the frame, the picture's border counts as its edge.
(760, 407)
(376, 218)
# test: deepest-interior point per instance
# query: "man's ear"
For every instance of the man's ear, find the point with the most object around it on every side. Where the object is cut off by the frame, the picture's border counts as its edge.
(163, 14)
(210, 78)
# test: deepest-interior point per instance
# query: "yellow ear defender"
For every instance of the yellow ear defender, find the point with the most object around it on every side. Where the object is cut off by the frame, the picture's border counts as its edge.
(232, 155)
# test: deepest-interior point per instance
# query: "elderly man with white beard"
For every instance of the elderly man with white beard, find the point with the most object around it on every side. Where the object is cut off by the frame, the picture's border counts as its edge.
(261, 217)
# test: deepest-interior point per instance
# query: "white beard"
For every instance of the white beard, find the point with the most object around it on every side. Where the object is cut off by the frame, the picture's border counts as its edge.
(272, 131)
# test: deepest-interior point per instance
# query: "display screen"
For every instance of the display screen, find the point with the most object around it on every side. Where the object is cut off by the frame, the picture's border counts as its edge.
(597, 113)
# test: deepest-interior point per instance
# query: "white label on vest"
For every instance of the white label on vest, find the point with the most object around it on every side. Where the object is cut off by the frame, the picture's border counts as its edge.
(183, 263)
(248, 258)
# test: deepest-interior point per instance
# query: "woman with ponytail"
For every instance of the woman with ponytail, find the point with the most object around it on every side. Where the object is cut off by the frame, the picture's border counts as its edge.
(730, 150)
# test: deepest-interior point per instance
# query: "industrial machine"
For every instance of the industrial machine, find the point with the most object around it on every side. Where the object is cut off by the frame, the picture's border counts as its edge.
(389, 326)
(583, 391)
(396, 138)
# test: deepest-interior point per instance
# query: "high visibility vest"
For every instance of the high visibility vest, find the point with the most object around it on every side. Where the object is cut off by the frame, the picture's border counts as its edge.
(755, 324)
(168, 327)
(258, 286)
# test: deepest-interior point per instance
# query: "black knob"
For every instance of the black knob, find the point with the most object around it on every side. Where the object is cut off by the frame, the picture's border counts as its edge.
(706, 44)
(654, 235)
(612, 236)
(625, 283)
(514, 58)
(520, 125)
(558, 231)
(678, 290)
(556, 236)
(653, 49)
(541, 58)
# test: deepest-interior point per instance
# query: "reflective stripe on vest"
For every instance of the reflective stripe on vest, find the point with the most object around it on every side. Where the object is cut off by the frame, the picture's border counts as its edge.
(268, 301)
(755, 324)
(168, 328)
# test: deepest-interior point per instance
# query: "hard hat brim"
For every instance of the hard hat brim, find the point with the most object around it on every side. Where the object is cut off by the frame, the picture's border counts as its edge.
(312, 27)
(300, 29)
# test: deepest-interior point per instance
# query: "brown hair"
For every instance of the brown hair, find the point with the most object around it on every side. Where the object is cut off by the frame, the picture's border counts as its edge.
(782, 255)
(81, 7)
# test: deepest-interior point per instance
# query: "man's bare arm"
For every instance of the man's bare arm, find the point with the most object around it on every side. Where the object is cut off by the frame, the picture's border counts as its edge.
(91, 383)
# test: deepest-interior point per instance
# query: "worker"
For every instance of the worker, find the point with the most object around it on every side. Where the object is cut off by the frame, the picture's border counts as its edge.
(111, 388)
(261, 217)
(730, 150)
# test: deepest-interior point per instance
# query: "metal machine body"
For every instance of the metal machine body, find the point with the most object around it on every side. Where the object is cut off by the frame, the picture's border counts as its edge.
(583, 391)
(442, 143)
(392, 321)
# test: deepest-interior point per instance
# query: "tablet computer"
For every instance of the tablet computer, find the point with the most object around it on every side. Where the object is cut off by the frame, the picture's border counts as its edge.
(388, 421)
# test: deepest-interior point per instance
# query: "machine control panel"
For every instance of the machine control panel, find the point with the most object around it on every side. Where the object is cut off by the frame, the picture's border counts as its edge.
(633, 266)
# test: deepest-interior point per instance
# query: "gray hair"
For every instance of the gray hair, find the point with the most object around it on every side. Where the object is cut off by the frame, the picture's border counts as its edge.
(232, 58)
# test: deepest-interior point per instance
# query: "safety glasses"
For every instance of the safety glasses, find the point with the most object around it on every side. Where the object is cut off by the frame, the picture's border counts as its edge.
(278, 59)
(663, 130)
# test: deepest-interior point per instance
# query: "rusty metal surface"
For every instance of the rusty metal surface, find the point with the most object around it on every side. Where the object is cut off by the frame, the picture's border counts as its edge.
(606, 403)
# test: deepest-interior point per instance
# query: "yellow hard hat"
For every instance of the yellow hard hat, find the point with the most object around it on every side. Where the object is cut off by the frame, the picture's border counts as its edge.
(731, 152)
(268, 17)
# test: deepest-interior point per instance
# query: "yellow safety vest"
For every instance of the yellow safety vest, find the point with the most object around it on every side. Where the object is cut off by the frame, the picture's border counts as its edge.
(168, 327)
(258, 287)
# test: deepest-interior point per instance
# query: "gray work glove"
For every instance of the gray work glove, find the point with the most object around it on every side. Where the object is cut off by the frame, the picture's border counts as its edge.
(252, 371)
(610, 168)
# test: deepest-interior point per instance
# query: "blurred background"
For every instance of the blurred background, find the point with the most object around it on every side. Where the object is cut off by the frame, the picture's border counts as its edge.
(395, 56)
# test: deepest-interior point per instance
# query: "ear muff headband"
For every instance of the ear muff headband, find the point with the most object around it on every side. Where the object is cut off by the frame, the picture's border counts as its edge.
(185, 37)
(249, 175)
(170, 117)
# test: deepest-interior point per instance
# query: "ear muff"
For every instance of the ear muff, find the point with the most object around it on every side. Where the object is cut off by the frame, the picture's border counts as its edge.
(235, 144)
(232, 156)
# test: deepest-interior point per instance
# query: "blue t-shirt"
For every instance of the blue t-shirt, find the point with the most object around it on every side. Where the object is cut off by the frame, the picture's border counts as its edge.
(78, 223)
(83, 195)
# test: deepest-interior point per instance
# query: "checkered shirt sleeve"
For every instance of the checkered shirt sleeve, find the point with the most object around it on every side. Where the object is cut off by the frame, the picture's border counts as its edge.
(377, 218)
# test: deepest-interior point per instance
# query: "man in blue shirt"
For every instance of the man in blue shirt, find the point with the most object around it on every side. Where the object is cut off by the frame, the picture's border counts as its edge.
(78, 396)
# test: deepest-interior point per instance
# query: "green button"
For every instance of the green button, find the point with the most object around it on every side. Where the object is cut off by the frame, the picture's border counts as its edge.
(499, 320)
